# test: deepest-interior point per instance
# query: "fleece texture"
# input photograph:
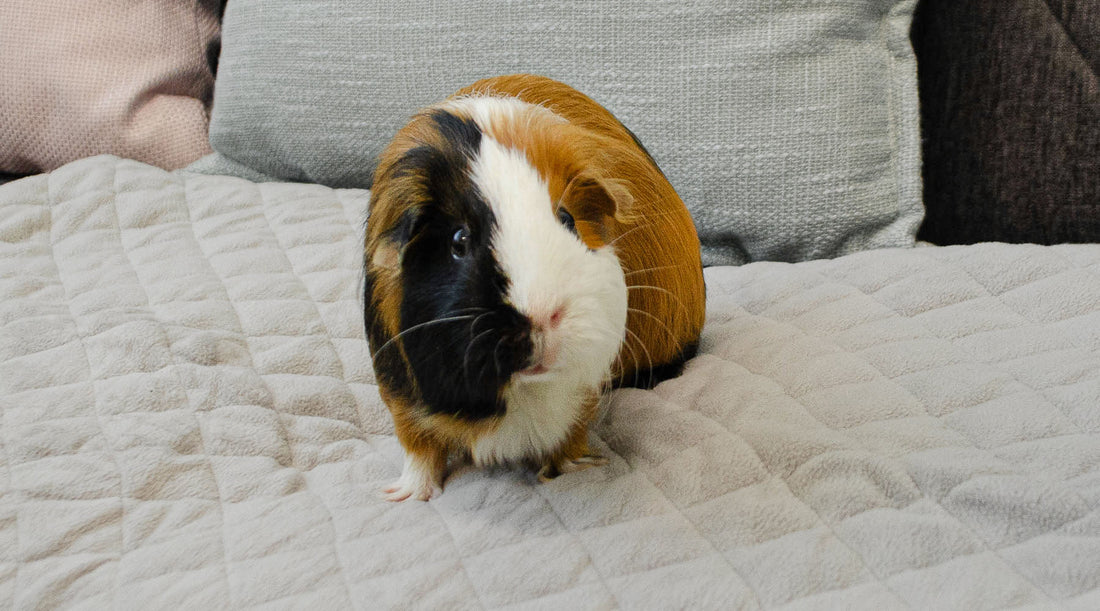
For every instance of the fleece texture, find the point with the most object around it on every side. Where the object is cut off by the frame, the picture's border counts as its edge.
(189, 420)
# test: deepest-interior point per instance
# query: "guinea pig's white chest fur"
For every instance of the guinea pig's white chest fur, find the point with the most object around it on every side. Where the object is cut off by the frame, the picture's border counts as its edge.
(576, 299)
(538, 418)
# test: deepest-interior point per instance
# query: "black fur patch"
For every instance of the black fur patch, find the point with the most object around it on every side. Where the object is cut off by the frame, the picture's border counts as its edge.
(462, 133)
(460, 366)
(388, 367)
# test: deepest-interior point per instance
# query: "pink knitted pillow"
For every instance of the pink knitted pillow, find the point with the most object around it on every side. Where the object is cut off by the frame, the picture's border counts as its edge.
(130, 78)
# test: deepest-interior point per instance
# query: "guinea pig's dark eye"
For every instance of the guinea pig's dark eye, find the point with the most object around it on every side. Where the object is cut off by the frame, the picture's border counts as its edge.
(460, 243)
(566, 219)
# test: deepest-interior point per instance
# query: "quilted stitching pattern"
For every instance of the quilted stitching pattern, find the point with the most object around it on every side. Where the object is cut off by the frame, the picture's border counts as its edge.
(189, 420)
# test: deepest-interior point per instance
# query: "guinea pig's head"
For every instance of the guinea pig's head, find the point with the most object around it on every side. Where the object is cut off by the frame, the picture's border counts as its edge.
(487, 263)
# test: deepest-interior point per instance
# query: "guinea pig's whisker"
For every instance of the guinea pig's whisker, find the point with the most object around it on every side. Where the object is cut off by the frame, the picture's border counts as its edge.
(648, 356)
(484, 368)
(633, 355)
(474, 310)
(639, 226)
(665, 291)
(651, 269)
(657, 320)
(466, 358)
(496, 359)
(628, 232)
(473, 325)
(417, 327)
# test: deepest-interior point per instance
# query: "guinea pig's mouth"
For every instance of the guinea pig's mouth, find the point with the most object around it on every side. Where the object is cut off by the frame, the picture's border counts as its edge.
(544, 355)
(540, 363)
(534, 370)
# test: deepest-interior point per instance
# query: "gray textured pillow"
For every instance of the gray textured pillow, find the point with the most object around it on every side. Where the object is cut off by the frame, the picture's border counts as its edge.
(790, 128)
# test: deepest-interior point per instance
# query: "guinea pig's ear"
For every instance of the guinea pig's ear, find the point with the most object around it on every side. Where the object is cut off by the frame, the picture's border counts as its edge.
(391, 244)
(595, 197)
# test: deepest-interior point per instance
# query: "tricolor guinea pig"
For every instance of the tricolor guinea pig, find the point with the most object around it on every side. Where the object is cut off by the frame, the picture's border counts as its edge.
(523, 254)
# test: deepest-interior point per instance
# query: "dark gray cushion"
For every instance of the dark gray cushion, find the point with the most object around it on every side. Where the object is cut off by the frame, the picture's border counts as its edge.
(1011, 119)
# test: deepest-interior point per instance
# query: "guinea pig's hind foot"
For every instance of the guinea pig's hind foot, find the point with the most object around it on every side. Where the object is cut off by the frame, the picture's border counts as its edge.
(555, 468)
(420, 481)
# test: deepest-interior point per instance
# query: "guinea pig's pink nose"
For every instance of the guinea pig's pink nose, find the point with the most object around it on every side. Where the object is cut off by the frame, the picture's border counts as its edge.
(556, 316)
(547, 318)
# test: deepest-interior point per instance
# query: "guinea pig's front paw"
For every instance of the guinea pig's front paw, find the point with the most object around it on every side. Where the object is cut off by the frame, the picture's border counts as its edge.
(402, 490)
(419, 481)
(553, 469)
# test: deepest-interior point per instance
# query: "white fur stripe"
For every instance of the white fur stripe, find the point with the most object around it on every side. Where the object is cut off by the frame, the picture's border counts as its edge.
(547, 267)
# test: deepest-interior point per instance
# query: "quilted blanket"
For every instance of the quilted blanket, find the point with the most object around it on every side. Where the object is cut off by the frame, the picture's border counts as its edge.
(189, 421)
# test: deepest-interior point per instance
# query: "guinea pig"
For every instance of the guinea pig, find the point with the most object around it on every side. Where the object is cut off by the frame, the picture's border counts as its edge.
(523, 254)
